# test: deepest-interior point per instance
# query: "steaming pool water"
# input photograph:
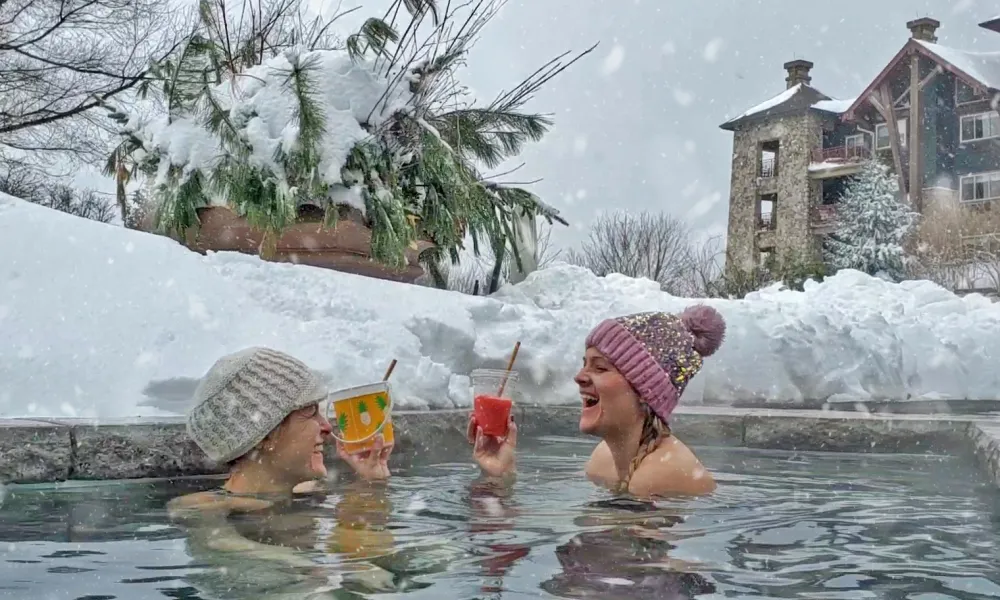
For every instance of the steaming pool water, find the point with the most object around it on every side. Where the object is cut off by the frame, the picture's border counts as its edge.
(781, 525)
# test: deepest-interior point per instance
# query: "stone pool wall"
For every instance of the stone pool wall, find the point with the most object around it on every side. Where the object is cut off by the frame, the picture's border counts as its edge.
(45, 451)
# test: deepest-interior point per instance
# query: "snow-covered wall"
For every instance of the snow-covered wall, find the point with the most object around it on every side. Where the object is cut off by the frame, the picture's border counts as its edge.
(93, 317)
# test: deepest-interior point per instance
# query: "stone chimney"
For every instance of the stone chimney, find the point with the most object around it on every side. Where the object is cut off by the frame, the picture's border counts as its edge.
(924, 29)
(798, 72)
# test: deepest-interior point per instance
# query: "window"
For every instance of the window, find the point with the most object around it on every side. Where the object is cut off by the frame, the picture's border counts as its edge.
(764, 259)
(980, 187)
(767, 164)
(966, 94)
(882, 135)
(855, 145)
(769, 158)
(980, 126)
(765, 209)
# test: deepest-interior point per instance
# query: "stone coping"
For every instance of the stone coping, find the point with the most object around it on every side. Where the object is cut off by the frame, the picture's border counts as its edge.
(53, 450)
(985, 438)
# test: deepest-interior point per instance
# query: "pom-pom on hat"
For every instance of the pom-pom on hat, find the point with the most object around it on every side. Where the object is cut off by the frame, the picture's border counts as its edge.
(658, 353)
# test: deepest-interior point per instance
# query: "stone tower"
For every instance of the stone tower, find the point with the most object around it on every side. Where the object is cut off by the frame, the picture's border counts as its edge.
(771, 192)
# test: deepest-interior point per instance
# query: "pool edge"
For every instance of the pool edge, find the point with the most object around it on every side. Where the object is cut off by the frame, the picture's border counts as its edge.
(53, 450)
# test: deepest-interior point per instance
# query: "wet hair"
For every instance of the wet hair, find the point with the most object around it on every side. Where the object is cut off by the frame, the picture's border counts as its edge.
(654, 431)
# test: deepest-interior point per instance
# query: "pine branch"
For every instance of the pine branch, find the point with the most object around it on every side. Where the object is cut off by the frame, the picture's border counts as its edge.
(490, 136)
(525, 90)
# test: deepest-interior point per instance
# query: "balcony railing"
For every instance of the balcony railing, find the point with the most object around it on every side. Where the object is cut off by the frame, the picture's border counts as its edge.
(768, 168)
(841, 154)
(823, 215)
(766, 222)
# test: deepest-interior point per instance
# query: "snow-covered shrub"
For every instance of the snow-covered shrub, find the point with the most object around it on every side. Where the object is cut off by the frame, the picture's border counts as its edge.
(378, 123)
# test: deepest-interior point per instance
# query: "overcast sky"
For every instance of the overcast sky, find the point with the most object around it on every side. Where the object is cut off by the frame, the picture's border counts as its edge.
(637, 121)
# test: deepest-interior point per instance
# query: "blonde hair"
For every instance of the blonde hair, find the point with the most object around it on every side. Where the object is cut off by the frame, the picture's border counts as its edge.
(654, 431)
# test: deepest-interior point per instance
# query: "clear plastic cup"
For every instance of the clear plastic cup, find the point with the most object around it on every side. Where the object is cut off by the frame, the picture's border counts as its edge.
(491, 408)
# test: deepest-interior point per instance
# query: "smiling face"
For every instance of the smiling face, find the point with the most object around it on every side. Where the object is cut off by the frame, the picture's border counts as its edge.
(295, 447)
(610, 405)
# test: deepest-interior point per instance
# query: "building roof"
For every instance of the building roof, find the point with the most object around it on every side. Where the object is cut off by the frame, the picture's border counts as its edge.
(798, 98)
(984, 67)
(992, 24)
(834, 106)
(981, 70)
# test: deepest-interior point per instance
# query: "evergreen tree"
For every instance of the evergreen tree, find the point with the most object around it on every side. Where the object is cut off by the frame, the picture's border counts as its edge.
(872, 223)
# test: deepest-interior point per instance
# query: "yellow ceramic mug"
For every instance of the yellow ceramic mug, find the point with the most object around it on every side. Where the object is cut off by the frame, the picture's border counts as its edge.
(358, 414)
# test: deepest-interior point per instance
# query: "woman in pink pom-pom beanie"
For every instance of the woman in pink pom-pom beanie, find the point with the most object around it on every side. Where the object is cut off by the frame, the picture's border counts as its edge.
(635, 369)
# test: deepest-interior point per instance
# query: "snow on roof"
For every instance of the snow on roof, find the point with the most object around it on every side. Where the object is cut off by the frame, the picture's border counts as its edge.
(984, 67)
(824, 103)
(781, 98)
(834, 106)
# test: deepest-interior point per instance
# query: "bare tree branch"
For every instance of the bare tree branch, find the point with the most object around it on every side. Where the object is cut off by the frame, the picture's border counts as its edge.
(472, 276)
(60, 59)
(29, 185)
(654, 246)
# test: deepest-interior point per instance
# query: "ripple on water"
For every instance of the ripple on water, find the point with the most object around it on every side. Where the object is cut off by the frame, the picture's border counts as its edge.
(781, 525)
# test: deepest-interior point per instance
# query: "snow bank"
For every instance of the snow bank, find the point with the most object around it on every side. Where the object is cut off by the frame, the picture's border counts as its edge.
(101, 321)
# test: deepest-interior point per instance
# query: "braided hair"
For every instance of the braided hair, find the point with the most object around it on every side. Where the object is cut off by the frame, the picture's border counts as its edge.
(654, 431)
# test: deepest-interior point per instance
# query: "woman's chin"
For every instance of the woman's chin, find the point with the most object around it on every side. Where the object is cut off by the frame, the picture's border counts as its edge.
(317, 465)
(590, 419)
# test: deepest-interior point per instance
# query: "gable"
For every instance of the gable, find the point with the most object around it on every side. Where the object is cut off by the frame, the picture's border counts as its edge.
(980, 70)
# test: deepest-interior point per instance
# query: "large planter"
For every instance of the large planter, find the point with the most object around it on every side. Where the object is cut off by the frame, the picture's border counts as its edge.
(346, 247)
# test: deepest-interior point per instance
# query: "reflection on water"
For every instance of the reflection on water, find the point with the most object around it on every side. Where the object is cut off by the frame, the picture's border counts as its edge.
(782, 525)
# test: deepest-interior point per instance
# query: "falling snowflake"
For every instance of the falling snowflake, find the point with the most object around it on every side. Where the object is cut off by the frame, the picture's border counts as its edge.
(613, 61)
(712, 50)
(683, 97)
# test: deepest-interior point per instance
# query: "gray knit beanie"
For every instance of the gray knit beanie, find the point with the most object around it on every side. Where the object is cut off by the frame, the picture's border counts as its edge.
(244, 396)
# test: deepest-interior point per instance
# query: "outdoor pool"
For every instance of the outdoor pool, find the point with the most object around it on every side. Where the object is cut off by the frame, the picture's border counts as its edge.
(781, 525)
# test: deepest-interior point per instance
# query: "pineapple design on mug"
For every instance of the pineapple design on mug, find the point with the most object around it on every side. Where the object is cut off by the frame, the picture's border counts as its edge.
(361, 413)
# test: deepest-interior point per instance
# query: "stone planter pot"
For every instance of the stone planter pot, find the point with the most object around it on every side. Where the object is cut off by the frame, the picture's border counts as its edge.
(347, 247)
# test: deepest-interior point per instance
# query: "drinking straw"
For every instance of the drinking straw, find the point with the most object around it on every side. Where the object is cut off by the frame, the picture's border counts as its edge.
(388, 371)
(510, 365)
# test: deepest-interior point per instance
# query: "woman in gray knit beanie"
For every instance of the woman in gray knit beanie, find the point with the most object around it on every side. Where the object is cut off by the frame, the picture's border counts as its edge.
(258, 411)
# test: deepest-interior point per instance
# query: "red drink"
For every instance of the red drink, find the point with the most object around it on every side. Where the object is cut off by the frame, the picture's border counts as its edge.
(492, 414)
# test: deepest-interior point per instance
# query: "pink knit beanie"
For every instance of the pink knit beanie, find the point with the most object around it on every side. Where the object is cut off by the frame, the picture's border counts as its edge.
(658, 353)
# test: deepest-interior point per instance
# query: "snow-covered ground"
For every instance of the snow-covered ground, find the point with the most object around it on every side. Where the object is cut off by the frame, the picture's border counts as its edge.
(96, 320)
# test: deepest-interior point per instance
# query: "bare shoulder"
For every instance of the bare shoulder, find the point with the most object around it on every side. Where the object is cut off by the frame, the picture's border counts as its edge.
(212, 503)
(601, 465)
(672, 469)
(207, 501)
(313, 486)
